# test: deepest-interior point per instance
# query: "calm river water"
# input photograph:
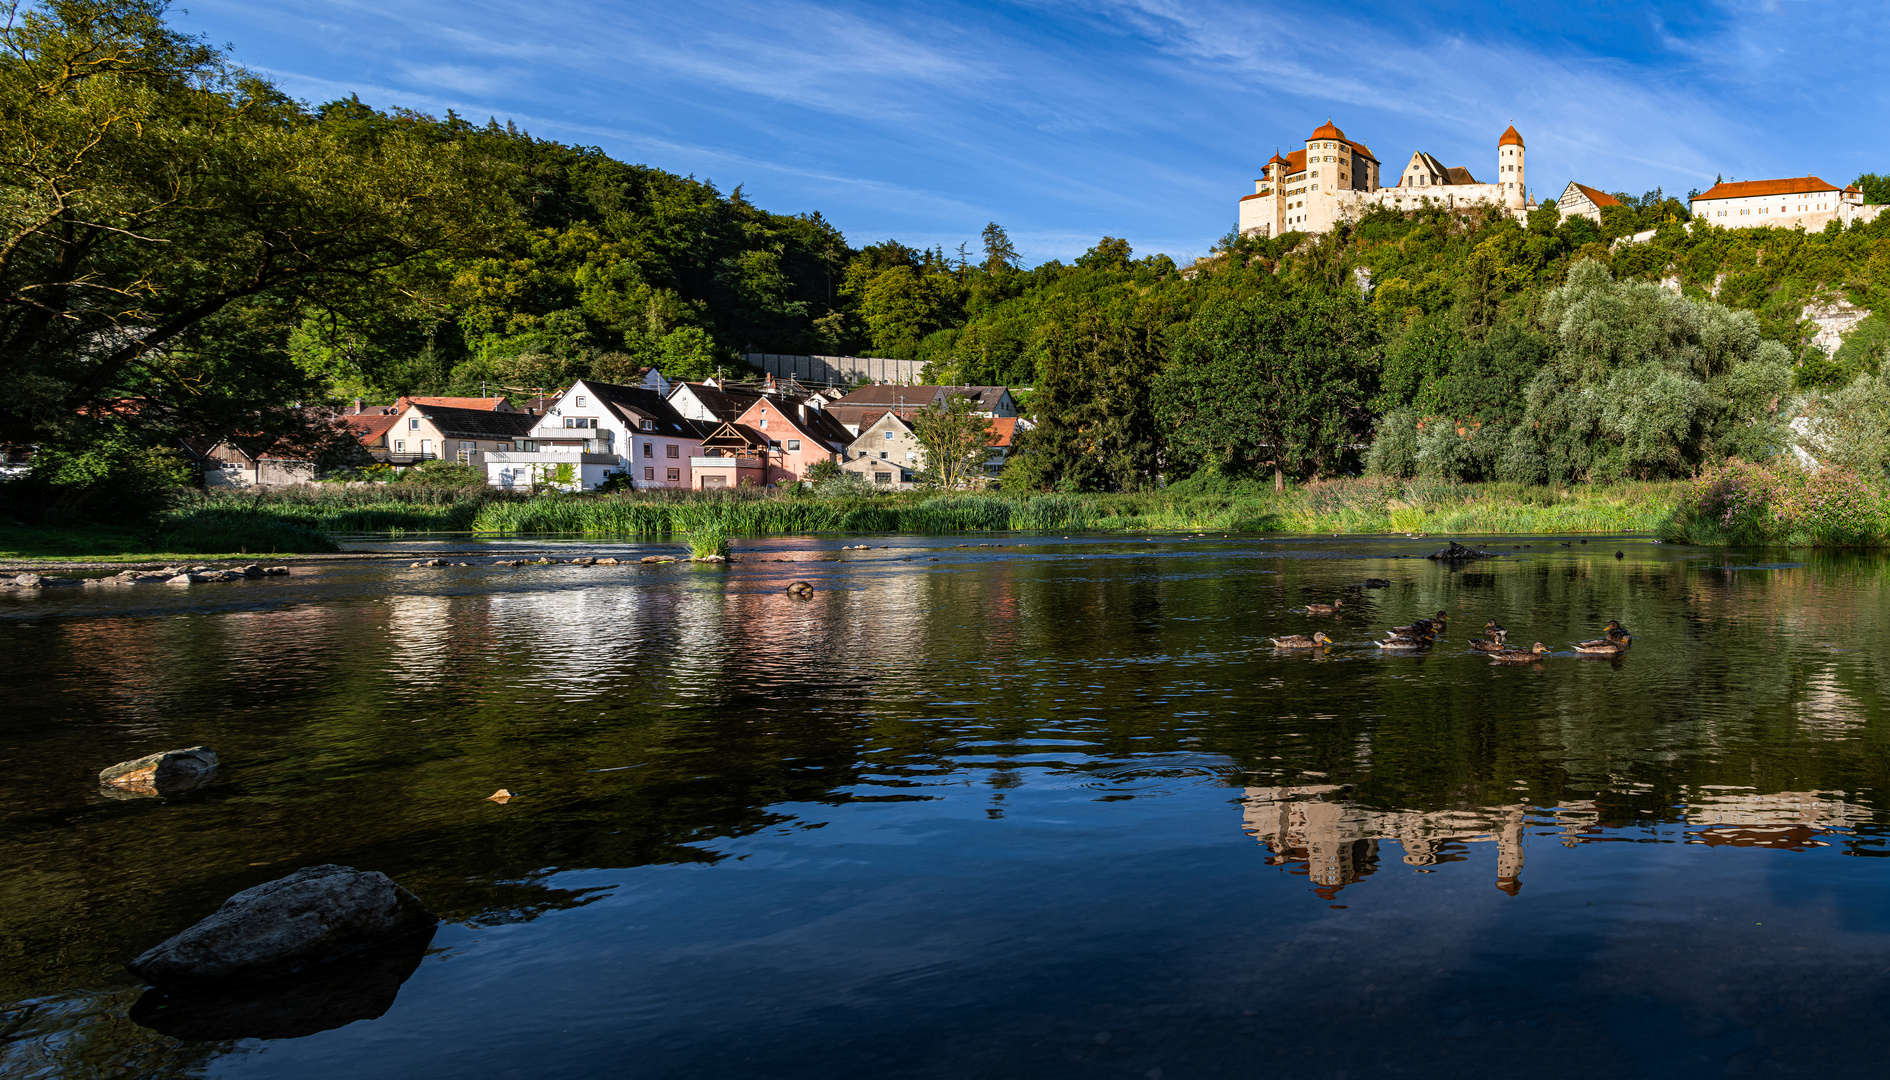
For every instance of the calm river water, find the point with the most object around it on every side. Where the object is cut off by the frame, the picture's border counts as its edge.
(1034, 807)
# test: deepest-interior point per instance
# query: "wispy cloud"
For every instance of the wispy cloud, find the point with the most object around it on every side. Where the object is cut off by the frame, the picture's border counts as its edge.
(1068, 119)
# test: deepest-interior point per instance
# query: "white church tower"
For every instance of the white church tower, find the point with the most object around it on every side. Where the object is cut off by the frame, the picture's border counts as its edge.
(1509, 169)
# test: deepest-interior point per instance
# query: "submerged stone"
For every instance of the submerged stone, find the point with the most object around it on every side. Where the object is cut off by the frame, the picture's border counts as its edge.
(317, 914)
(162, 773)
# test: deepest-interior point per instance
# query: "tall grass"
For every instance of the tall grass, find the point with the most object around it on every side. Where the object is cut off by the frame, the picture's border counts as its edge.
(336, 509)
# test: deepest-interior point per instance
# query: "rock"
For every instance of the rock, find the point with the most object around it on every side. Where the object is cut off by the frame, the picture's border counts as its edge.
(182, 579)
(252, 571)
(1458, 553)
(163, 773)
(583, 561)
(56, 582)
(659, 558)
(276, 571)
(607, 562)
(317, 914)
(710, 558)
(28, 581)
(359, 987)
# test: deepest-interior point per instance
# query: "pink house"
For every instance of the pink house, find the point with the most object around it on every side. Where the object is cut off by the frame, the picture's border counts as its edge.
(798, 433)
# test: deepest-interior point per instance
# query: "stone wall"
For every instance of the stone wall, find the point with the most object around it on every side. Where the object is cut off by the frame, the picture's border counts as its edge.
(837, 370)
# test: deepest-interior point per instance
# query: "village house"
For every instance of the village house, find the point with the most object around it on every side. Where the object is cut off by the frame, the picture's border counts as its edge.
(1580, 200)
(713, 401)
(596, 430)
(252, 461)
(797, 434)
(889, 438)
(882, 472)
(862, 406)
(423, 432)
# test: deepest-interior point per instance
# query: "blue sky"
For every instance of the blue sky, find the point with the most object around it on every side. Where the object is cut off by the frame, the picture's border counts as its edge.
(1145, 119)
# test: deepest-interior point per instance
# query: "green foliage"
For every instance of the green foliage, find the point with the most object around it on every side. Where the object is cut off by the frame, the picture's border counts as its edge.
(1741, 503)
(1645, 384)
(106, 473)
(440, 472)
(1266, 381)
(1876, 188)
(1845, 429)
(952, 438)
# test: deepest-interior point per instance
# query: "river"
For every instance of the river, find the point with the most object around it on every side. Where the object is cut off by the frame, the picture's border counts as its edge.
(989, 806)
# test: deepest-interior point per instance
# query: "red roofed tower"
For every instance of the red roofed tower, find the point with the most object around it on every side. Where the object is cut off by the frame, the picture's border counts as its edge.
(1509, 168)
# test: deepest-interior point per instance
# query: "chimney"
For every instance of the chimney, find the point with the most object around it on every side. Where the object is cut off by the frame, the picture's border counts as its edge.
(360, 406)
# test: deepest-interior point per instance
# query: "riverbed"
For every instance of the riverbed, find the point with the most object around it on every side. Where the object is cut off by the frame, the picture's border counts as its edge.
(990, 806)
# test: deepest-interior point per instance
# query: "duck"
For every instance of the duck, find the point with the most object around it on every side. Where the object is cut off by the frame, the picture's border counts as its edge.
(1495, 632)
(1603, 646)
(1520, 656)
(1487, 645)
(1423, 625)
(1376, 583)
(1398, 642)
(1325, 609)
(1318, 640)
(801, 590)
(1612, 634)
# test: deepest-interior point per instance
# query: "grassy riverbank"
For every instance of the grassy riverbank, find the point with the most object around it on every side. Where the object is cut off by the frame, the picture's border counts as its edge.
(1733, 505)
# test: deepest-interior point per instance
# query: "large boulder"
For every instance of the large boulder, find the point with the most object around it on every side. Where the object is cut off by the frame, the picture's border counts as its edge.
(317, 914)
(164, 772)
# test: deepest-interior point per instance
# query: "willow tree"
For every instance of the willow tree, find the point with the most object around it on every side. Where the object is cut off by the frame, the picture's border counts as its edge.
(165, 216)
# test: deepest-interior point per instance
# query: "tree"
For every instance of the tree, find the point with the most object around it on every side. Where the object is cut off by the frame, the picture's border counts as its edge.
(1270, 381)
(1876, 188)
(999, 254)
(954, 438)
(1095, 428)
(165, 218)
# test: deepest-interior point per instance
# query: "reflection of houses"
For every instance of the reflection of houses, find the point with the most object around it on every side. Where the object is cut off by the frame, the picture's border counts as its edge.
(1337, 841)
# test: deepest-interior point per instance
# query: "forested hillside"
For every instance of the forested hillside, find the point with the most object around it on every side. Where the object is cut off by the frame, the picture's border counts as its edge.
(191, 253)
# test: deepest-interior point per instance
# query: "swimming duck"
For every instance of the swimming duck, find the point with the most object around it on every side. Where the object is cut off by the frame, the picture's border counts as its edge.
(1399, 642)
(1318, 640)
(1325, 609)
(1376, 583)
(1487, 644)
(1518, 656)
(1612, 634)
(1603, 646)
(1423, 625)
(1494, 632)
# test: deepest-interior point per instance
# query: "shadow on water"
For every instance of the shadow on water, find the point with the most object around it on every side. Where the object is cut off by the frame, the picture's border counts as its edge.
(1062, 793)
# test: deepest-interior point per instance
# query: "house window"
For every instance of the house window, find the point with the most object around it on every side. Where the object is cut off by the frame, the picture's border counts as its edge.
(400, 446)
(675, 474)
(889, 433)
(882, 455)
(648, 450)
(671, 451)
(580, 401)
(649, 425)
(882, 478)
(775, 445)
(794, 444)
(413, 423)
(764, 423)
(649, 473)
(525, 445)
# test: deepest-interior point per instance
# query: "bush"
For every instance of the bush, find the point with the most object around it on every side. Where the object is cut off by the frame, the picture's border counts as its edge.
(440, 472)
(111, 478)
(1742, 503)
(1394, 449)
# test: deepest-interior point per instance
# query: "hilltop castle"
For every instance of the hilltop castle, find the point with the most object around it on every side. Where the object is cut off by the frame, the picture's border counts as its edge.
(1335, 177)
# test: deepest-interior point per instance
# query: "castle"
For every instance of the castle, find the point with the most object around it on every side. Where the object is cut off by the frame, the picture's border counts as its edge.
(1336, 178)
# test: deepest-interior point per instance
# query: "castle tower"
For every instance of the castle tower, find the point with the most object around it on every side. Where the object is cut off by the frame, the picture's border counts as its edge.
(1509, 169)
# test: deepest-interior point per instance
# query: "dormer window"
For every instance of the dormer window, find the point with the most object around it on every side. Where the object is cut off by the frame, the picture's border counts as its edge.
(649, 425)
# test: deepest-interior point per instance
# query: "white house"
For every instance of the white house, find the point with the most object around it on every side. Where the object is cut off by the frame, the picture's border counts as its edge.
(1804, 201)
(596, 429)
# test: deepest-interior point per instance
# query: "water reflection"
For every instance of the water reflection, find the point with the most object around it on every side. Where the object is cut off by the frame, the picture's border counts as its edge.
(1020, 755)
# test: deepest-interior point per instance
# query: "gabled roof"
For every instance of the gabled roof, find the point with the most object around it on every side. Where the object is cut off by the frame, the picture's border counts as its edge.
(1746, 189)
(483, 404)
(871, 420)
(1599, 198)
(733, 436)
(987, 397)
(1365, 152)
(724, 402)
(368, 427)
(1460, 175)
(1003, 431)
(475, 423)
(1296, 160)
(635, 404)
(812, 423)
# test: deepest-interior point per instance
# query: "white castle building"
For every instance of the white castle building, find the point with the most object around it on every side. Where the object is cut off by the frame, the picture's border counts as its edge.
(1335, 178)
(1803, 201)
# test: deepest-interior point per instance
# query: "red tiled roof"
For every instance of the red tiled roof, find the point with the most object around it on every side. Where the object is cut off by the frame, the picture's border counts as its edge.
(1510, 137)
(1599, 198)
(1746, 189)
(1296, 161)
(483, 404)
(1326, 131)
(368, 427)
(1364, 151)
(1003, 431)
(1255, 195)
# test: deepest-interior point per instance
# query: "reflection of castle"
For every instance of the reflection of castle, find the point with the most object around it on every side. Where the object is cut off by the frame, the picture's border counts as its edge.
(1337, 841)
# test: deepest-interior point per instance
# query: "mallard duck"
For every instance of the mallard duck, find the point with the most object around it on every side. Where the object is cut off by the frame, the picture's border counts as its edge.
(1495, 632)
(1325, 609)
(1420, 626)
(1406, 644)
(1318, 640)
(1603, 646)
(1487, 645)
(1519, 656)
(1611, 635)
